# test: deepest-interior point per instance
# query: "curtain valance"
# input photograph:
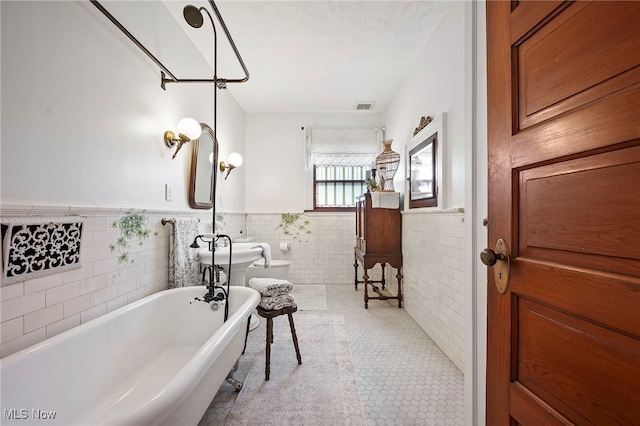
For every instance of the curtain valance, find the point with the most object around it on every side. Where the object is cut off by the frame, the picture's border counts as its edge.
(342, 147)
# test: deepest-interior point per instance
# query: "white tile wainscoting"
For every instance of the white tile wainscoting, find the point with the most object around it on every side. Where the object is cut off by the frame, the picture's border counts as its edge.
(34, 310)
(323, 256)
(434, 276)
(433, 264)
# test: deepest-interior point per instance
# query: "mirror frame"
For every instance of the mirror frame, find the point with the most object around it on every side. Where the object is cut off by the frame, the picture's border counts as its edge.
(434, 129)
(424, 201)
(194, 170)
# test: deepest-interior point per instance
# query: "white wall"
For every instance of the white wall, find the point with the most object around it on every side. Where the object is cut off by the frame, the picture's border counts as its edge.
(433, 240)
(277, 181)
(435, 85)
(83, 117)
(83, 113)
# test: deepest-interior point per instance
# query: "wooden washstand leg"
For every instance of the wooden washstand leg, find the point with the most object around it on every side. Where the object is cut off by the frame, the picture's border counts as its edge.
(399, 278)
(365, 278)
(355, 267)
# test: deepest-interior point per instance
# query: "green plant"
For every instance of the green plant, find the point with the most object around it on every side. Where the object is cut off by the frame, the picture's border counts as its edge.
(290, 226)
(132, 226)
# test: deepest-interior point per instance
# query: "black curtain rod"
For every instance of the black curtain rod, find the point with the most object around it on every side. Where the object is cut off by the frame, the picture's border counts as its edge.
(164, 73)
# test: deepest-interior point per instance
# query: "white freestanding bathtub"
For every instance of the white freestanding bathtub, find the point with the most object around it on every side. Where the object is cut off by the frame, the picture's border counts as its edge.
(159, 360)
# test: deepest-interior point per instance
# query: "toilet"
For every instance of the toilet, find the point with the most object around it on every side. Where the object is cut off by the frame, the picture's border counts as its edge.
(277, 269)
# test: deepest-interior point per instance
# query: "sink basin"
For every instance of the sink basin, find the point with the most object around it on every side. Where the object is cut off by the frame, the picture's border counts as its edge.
(243, 253)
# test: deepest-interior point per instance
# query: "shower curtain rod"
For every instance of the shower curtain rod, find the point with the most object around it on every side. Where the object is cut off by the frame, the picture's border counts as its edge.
(220, 82)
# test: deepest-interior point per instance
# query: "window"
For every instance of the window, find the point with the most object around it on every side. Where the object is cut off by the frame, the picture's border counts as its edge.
(336, 187)
(339, 160)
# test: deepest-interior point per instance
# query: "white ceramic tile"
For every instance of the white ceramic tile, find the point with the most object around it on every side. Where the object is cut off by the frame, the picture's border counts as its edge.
(58, 327)
(105, 237)
(22, 305)
(116, 303)
(43, 283)
(85, 271)
(42, 317)
(93, 313)
(77, 305)
(62, 293)
(93, 284)
(93, 224)
(136, 295)
(11, 329)
(11, 291)
(105, 266)
(127, 286)
(22, 342)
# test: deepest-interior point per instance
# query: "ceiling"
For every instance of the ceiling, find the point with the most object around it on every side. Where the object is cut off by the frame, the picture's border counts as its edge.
(316, 56)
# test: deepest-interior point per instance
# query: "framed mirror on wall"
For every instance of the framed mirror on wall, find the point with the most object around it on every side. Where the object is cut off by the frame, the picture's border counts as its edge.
(424, 167)
(422, 174)
(201, 178)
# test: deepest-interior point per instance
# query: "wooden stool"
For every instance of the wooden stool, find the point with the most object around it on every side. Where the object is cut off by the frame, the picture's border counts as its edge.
(269, 315)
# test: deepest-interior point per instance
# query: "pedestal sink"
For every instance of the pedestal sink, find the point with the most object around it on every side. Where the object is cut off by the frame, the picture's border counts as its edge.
(242, 255)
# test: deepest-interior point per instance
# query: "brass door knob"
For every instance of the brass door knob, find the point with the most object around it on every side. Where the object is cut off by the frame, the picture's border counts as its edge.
(490, 257)
(499, 258)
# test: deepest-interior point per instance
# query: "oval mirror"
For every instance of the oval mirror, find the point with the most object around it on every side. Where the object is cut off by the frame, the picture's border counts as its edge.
(201, 180)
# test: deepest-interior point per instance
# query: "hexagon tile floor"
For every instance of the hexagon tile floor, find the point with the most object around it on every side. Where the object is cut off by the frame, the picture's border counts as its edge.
(404, 378)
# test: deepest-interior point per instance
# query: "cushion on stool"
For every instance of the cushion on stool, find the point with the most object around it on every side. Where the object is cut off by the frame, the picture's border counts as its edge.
(270, 286)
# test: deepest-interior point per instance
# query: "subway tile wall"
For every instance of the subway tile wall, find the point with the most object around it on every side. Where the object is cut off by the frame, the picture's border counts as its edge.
(433, 269)
(34, 310)
(433, 265)
(322, 256)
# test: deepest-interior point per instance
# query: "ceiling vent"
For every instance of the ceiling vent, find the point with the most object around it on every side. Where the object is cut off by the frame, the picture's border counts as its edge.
(364, 106)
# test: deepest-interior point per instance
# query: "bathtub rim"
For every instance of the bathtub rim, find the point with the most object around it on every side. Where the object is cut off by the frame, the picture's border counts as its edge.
(102, 319)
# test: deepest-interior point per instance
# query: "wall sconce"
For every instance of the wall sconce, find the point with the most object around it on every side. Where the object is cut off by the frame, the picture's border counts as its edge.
(188, 129)
(234, 160)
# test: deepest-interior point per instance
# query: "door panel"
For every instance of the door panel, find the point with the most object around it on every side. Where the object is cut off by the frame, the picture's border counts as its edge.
(578, 212)
(564, 194)
(567, 362)
(607, 299)
(558, 61)
(611, 120)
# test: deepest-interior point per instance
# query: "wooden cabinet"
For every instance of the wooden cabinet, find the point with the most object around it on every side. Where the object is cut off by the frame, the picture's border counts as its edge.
(378, 241)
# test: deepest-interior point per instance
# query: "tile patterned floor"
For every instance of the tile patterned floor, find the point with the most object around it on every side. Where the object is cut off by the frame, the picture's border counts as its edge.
(404, 378)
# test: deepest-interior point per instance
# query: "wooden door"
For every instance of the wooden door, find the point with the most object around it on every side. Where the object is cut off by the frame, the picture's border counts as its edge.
(564, 194)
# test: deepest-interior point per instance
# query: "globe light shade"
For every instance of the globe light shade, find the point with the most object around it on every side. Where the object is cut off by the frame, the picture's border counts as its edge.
(235, 159)
(189, 128)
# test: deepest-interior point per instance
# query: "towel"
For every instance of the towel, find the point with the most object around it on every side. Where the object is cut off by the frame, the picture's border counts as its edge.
(266, 253)
(183, 260)
(385, 200)
(270, 286)
(273, 303)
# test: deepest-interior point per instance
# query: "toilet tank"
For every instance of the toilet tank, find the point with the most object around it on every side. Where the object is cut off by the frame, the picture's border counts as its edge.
(277, 269)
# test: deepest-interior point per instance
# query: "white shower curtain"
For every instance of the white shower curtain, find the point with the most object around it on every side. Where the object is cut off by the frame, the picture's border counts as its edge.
(183, 260)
